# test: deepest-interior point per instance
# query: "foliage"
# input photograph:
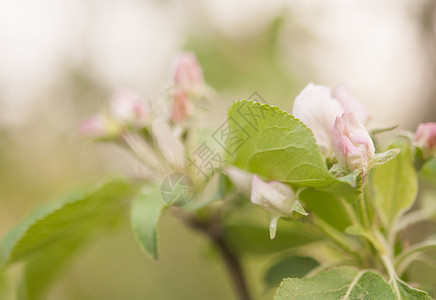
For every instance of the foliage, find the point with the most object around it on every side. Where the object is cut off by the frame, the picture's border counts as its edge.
(337, 208)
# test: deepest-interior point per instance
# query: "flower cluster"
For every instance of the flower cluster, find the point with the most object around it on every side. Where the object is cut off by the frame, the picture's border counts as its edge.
(156, 138)
(126, 110)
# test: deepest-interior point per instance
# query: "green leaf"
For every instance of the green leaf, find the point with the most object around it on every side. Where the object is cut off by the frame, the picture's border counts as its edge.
(254, 239)
(75, 214)
(327, 207)
(48, 238)
(4, 287)
(145, 212)
(409, 293)
(43, 267)
(13, 236)
(395, 186)
(341, 283)
(293, 266)
(270, 142)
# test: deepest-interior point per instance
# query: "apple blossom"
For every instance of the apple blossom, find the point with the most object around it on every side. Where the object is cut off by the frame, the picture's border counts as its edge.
(187, 73)
(425, 138)
(94, 127)
(353, 147)
(181, 106)
(315, 107)
(128, 109)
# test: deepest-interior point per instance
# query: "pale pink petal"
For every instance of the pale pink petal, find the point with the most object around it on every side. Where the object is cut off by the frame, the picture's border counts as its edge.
(315, 107)
(350, 103)
(93, 126)
(180, 106)
(129, 109)
(187, 72)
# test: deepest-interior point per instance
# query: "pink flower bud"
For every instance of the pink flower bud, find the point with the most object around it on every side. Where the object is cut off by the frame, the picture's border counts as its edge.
(128, 109)
(315, 107)
(274, 196)
(180, 107)
(351, 104)
(93, 127)
(187, 72)
(425, 138)
(353, 147)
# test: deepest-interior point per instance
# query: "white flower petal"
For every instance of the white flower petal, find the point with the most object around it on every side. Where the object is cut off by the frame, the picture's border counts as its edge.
(315, 107)
(351, 104)
(275, 197)
(240, 178)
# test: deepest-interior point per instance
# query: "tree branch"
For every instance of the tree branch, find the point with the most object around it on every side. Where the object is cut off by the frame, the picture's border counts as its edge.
(212, 229)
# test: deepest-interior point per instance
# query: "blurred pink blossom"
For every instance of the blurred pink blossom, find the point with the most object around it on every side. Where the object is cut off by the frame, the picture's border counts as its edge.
(425, 138)
(93, 127)
(180, 107)
(187, 73)
(129, 109)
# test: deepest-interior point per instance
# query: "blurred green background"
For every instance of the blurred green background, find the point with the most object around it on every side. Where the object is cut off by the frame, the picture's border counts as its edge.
(60, 60)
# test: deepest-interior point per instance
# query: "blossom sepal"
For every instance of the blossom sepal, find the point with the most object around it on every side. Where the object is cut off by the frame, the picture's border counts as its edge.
(375, 131)
(354, 179)
(382, 158)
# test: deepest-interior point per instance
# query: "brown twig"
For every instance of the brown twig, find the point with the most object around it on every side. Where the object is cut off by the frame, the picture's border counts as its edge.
(212, 229)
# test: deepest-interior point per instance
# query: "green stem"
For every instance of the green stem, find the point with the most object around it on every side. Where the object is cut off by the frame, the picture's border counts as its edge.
(364, 209)
(357, 222)
(350, 211)
(338, 237)
(387, 259)
(414, 249)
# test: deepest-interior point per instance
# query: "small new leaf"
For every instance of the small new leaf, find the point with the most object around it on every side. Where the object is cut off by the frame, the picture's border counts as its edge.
(381, 130)
(145, 213)
(381, 158)
(297, 207)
